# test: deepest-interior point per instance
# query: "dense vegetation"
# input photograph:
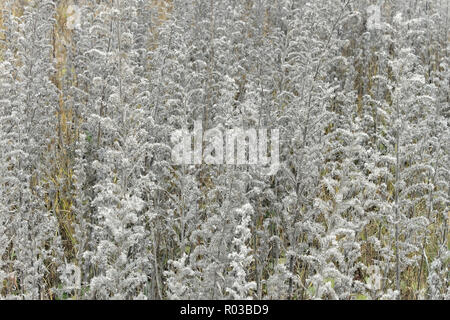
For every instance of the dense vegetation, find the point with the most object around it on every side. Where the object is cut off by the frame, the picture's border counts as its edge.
(92, 207)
